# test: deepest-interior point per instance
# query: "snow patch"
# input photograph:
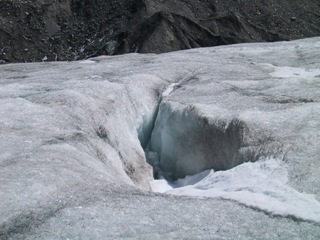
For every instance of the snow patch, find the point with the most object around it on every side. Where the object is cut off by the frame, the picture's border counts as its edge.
(289, 72)
(170, 89)
(261, 185)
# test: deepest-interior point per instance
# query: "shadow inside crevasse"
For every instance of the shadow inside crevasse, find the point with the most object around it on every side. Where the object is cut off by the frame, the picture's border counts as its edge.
(184, 143)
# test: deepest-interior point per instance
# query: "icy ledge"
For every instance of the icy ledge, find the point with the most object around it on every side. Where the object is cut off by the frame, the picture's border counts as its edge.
(262, 185)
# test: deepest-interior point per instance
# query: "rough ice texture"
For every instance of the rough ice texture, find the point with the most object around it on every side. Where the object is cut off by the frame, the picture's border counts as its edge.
(72, 165)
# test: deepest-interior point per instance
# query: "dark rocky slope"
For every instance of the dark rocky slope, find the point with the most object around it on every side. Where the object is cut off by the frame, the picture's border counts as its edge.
(35, 30)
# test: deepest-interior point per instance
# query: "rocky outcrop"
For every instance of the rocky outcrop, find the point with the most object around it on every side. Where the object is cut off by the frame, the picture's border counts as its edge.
(75, 29)
(62, 30)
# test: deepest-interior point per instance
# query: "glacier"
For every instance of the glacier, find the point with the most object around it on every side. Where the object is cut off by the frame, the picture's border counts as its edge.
(231, 135)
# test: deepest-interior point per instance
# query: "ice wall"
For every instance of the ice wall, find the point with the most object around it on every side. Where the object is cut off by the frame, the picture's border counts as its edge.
(188, 143)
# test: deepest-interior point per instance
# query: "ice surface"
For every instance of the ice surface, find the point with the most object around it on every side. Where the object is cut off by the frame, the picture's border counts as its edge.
(72, 164)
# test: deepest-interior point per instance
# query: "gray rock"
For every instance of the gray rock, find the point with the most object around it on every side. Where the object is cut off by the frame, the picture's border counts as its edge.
(79, 29)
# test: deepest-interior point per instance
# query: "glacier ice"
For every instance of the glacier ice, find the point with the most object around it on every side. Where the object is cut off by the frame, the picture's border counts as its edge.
(72, 136)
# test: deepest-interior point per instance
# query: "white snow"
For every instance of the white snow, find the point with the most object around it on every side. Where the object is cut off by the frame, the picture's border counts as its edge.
(261, 185)
(169, 89)
(289, 72)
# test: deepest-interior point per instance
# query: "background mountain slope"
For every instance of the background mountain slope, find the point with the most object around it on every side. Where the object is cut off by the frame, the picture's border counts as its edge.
(72, 163)
(76, 29)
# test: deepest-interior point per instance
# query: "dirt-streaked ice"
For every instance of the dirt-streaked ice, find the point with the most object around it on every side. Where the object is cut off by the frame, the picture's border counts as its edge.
(72, 163)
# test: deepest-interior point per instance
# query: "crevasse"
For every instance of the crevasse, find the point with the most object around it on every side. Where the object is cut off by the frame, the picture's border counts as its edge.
(180, 141)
